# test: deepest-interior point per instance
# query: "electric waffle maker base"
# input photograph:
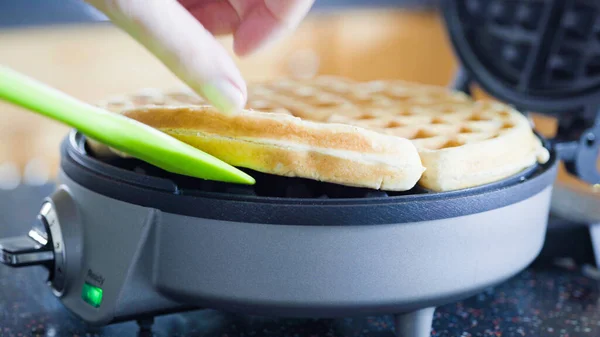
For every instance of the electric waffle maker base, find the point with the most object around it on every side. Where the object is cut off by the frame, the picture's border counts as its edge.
(123, 240)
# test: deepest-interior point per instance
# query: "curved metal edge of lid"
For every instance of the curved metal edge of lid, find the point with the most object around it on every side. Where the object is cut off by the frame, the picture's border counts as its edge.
(80, 169)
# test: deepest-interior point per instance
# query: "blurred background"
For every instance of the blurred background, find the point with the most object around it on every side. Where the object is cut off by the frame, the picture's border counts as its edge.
(69, 45)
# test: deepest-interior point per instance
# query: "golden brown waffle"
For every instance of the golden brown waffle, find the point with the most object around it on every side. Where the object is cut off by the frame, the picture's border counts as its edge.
(281, 144)
(462, 143)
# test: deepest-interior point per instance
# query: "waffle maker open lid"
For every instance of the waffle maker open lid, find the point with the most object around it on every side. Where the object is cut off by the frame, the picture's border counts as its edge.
(539, 56)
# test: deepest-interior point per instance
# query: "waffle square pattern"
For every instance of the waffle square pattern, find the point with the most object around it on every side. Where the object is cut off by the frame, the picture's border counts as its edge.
(388, 135)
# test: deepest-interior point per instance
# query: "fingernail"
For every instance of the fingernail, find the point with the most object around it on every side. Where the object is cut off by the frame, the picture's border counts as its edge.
(224, 96)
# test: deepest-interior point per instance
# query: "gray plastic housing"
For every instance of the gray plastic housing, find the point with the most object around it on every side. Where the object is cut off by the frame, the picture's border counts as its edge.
(149, 262)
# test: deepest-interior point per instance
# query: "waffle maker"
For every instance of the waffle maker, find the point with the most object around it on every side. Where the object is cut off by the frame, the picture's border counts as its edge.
(123, 240)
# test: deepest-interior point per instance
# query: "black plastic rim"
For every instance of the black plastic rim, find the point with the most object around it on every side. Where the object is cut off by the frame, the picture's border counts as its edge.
(130, 187)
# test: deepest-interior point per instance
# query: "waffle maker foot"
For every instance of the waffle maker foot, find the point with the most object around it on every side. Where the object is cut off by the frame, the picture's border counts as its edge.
(145, 327)
(414, 324)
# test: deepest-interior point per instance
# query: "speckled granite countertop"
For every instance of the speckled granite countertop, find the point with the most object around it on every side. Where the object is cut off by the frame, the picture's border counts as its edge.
(548, 299)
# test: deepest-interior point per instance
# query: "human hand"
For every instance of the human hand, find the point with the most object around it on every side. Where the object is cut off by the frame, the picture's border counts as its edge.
(182, 33)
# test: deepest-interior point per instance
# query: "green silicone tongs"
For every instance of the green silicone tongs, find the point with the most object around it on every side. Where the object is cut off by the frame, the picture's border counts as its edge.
(117, 131)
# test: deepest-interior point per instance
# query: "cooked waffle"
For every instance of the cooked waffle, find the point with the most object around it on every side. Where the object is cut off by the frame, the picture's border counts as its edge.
(279, 143)
(462, 143)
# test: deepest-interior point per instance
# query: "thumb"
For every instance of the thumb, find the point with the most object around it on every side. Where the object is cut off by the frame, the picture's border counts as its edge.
(183, 45)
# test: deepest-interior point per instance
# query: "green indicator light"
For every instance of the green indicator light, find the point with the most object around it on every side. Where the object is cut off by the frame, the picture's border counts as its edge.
(91, 295)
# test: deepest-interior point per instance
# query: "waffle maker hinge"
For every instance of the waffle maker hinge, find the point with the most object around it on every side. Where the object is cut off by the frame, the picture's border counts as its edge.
(578, 145)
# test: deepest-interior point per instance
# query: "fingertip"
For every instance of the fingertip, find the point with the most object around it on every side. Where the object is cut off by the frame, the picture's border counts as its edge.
(257, 31)
(291, 11)
(267, 23)
(218, 17)
(224, 95)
